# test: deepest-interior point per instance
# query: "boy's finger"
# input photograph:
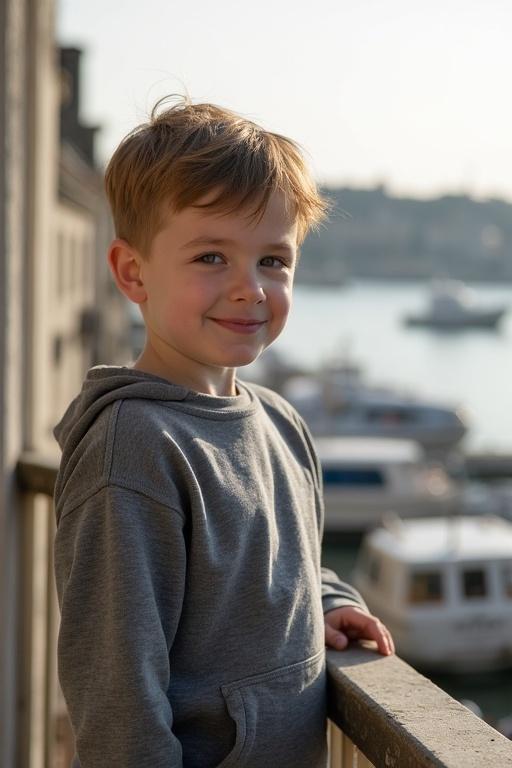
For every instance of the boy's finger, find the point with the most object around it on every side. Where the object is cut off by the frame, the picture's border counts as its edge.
(335, 639)
(390, 638)
(378, 632)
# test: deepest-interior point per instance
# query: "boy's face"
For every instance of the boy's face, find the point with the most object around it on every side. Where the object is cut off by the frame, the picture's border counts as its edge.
(217, 292)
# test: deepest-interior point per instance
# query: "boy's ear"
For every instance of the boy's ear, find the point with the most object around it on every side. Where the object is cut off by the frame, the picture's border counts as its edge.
(124, 262)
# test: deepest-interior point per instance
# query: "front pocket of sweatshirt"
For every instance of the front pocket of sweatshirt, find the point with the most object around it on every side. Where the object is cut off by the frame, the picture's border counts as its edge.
(280, 717)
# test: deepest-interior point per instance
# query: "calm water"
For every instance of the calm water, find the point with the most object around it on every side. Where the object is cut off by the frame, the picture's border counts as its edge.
(473, 369)
(470, 368)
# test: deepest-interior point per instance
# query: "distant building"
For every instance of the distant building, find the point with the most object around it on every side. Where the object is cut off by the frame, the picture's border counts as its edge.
(372, 234)
(58, 315)
(90, 323)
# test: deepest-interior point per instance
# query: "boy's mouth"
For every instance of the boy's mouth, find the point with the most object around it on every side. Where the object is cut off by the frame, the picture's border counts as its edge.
(239, 325)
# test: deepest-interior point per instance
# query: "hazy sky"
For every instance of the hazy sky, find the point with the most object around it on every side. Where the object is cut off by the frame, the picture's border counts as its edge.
(415, 94)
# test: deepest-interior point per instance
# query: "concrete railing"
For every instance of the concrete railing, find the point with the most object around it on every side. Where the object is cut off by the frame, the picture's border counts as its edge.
(44, 734)
(382, 712)
(396, 718)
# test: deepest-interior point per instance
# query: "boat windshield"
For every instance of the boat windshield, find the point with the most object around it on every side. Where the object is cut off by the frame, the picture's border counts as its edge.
(474, 583)
(425, 587)
(390, 415)
(353, 476)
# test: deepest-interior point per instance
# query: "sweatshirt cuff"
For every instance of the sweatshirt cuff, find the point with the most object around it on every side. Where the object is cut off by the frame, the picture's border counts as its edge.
(338, 594)
(332, 601)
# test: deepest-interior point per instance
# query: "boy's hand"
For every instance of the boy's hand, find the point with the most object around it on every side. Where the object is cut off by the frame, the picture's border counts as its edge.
(353, 623)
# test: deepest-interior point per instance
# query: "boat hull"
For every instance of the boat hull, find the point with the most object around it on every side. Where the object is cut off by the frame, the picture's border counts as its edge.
(431, 437)
(489, 320)
(459, 645)
(350, 513)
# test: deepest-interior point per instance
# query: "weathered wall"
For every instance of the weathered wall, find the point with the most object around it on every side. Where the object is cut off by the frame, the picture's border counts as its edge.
(13, 105)
(27, 97)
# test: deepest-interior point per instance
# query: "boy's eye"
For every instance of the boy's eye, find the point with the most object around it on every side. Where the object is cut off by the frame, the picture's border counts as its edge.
(210, 258)
(272, 261)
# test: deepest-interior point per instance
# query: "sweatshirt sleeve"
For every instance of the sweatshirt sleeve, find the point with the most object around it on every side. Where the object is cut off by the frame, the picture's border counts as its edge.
(120, 566)
(337, 594)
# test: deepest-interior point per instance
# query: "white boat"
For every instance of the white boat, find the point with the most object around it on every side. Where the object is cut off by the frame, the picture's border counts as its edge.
(453, 306)
(443, 587)
(337, 401)
(366, 478)
(489, 498)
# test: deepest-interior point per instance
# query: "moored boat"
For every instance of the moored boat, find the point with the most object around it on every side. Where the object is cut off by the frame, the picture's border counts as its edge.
(443, 586)
(365, 478)
(453, 306)
(338, 401)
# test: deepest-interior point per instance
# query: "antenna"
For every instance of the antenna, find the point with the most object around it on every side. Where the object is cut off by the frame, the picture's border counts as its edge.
(393, 523)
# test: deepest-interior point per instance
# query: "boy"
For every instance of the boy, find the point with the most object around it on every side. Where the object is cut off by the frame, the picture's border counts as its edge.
(189, 504)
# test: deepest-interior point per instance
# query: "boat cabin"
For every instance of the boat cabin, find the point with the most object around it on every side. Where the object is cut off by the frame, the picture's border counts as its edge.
(365, 478)
(444, 588)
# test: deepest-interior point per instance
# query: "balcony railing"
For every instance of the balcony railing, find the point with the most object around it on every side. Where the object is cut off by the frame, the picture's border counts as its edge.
(382, 712)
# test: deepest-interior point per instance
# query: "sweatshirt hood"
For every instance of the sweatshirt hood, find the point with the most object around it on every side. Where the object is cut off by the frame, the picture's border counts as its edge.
(104, 385)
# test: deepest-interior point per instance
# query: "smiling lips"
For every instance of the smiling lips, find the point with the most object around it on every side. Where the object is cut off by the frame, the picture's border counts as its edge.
(239, 325)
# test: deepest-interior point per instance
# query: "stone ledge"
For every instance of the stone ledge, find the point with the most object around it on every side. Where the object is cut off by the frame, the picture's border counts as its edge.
(400, 719)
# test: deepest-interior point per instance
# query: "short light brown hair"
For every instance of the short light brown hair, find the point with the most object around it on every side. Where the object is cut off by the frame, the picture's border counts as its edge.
(189, 150)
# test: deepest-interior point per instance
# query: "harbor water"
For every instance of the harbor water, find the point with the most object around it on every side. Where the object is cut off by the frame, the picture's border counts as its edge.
(471, 369)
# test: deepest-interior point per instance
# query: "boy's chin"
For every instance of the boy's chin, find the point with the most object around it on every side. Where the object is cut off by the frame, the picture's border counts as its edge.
(244, 360)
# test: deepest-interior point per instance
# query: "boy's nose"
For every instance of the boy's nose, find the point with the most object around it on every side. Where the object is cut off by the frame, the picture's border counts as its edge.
(247, 287)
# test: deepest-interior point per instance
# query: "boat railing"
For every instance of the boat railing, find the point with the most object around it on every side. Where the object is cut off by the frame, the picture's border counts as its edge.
(381, 711)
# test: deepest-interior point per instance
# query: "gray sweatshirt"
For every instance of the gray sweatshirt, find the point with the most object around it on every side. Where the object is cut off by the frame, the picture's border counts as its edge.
(187, 561)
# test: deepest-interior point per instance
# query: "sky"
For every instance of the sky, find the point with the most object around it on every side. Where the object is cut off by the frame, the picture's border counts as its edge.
(407, 93)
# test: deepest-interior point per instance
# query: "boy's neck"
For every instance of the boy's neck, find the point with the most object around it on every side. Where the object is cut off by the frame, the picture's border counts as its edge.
(218, 382)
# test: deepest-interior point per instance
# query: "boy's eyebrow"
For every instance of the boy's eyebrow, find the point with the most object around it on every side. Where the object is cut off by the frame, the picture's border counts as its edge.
(285, 245)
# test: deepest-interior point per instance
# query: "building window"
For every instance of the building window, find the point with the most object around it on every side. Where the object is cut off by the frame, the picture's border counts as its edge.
(507, 579)
(425, 587)
(474, 583)
(57, 349)
(86, 255)
(72, 257)
(60, 265)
